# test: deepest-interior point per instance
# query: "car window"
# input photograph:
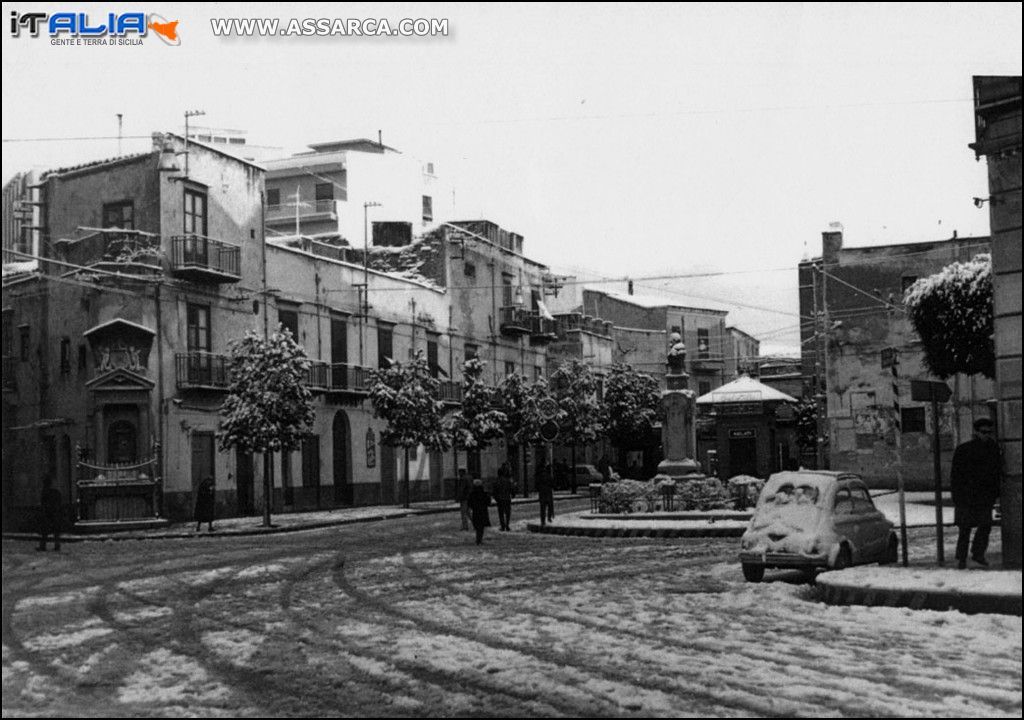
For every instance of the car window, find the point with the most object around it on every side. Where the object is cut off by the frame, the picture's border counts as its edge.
(844, 502)
(790, 494)
(861, 499)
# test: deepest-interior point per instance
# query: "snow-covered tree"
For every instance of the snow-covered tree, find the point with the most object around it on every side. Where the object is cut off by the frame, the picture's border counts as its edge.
(522, 403)
(632, 400)
(268, 407)
(405, 396)
(477, 422)
(581, 414)
(952, 313)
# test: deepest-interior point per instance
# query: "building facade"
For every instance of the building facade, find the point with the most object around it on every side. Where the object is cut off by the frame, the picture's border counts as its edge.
(997, 114)
(855, 299)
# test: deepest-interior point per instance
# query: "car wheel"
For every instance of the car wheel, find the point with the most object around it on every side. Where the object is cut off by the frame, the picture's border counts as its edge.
(753, 573)
(844, 559)
(892, 552)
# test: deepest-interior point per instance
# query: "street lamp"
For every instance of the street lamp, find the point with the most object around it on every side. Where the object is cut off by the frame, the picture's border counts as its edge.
(366, 272)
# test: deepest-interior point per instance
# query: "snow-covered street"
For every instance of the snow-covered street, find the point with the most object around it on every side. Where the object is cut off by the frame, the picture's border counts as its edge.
(411, 618)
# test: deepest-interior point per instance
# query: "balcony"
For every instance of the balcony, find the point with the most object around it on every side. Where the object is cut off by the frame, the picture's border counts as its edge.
(542, 329)
(514, 320)
(120, 251)
(339, 378)
(707, 360)
(279, 215)
(204, 260)
(449, 392)
(201, 371)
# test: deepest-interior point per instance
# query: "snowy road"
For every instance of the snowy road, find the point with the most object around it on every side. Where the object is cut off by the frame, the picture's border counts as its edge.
(411, 618)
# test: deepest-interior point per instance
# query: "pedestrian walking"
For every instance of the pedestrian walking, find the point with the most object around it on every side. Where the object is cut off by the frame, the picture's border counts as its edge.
(545, 493)
(206, 502)
(51, 515)
(479, 501)
(504, 491)
(463, 486)
(974, 483)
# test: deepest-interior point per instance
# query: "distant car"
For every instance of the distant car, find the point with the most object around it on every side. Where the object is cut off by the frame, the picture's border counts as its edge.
(588, 474)
(814, 520)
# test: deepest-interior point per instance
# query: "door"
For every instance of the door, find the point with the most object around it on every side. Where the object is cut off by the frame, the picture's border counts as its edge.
(311, 468)
(742, 456)
(341, 451)
(339, 353)
(244, 481)
(202, 458)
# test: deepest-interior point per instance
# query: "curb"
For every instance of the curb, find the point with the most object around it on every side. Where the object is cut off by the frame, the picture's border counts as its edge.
(969, 603)
(634, 532)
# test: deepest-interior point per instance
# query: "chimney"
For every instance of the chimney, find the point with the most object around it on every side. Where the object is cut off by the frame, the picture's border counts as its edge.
(831, 244)
(168, 160)
(380, 138)
(629, 287)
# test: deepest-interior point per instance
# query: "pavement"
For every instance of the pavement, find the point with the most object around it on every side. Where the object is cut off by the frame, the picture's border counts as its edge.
(923, 584)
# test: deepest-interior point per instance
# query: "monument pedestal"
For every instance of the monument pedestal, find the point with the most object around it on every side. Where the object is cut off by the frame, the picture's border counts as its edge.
(678, 437)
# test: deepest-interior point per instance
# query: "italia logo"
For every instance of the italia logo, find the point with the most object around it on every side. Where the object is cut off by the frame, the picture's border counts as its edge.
(84, 26)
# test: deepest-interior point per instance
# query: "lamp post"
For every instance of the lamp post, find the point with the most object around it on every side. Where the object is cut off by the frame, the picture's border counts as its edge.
(366, 273)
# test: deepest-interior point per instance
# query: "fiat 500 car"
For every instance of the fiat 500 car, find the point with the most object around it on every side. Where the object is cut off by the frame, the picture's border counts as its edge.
(815, 520)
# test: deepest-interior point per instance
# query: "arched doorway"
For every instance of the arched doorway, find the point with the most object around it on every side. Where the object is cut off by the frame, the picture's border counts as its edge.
(122, 442)
(341, 434)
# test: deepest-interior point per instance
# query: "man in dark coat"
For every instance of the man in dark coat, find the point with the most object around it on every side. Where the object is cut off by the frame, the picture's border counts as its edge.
(50, 515)
(503, 493)
(974, 482)
(479, 501)
(545, 493)
(206, 502)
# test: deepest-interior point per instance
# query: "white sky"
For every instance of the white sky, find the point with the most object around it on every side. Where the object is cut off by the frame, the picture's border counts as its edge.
(619, 140)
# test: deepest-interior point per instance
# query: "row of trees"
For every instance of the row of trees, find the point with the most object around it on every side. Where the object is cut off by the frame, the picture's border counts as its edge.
(269, 408)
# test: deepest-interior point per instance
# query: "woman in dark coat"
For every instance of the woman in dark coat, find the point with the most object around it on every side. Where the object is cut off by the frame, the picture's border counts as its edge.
(503, 493)
(206, 500)
(479, 501)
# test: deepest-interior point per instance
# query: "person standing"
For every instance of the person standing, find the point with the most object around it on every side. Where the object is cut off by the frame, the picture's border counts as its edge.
(479, 501)
(503, 494)
(463, 486)
(604, 467)
(51, 515)
(545, 493)
(206, 503)
(974, 483)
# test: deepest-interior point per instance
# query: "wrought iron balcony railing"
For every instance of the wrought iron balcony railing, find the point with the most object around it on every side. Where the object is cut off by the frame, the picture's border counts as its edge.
(201, 370)
(204, 259)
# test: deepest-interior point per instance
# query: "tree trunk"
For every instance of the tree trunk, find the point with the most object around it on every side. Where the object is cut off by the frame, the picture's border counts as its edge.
(572, 469)
(524, 473)
(407, 477)
(268, 485)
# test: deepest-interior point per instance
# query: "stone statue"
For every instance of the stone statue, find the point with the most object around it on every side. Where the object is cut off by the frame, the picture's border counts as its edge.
(676, 354)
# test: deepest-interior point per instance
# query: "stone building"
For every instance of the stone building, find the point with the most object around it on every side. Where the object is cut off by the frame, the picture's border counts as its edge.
(151, 263)
(997, 114)
(855, 298)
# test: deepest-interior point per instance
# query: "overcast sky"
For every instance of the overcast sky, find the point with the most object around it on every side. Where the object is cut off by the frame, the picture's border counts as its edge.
(619, 140)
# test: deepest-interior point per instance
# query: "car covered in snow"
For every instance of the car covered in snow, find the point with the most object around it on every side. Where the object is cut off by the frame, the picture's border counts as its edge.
(815, 520)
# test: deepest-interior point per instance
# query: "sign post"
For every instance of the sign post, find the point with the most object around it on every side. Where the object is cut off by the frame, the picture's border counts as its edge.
(934, 392)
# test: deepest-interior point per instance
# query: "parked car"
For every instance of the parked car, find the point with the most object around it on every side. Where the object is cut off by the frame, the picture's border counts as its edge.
(813, 520)
(588, 474)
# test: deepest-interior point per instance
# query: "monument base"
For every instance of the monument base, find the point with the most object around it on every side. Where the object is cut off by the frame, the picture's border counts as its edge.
(685, 469)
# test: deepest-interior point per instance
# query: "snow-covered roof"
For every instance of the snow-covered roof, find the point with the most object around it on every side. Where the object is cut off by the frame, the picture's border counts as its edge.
(655, 301)
(744, 389)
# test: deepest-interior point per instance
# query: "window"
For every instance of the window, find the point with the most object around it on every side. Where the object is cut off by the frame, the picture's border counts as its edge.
(472, 351)
(65, 355)
(703, 387)
(82, 357)
(119, 215)
(198, 328)
(288, 318)
(506, 290)
(8, 337)
(912, 419)
(273, 197)
(510, 368)
(428, 208)
(703, 344)
(538, 372)
(385, 351)
(23, 342)
(469, 269)
(195, 212)
(324, 191)
(432, 357)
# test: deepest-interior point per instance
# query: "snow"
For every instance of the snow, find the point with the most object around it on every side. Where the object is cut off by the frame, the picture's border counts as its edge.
(988, 582)
(167, 677)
